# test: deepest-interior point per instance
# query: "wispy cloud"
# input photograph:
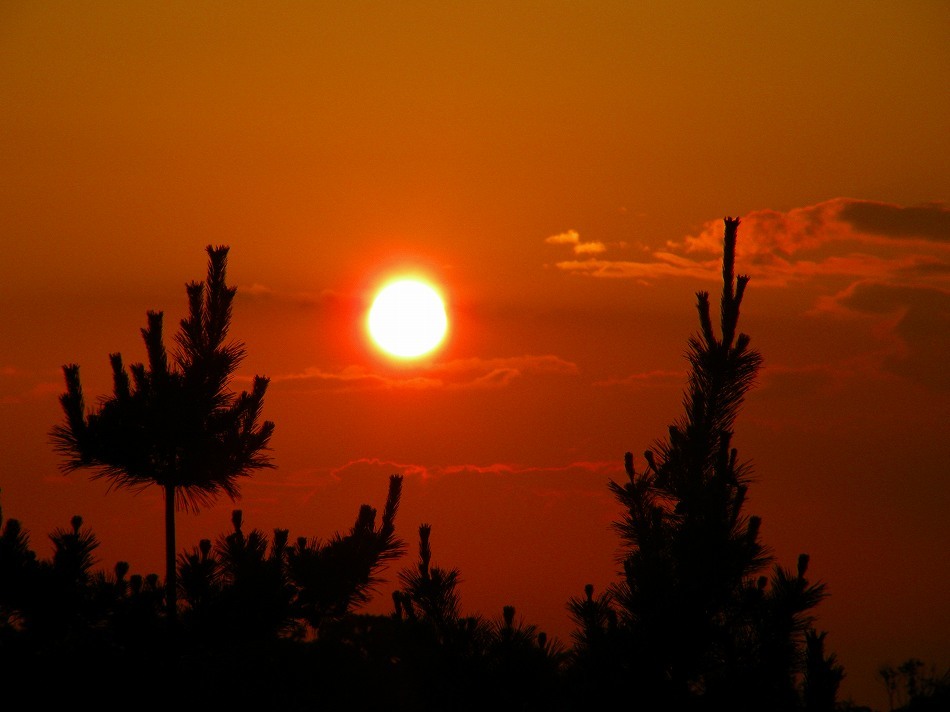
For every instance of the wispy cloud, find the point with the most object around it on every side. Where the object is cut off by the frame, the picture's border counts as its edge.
(590, 248)
(555, 482)
(884, 263)
(357, 378)
(842, 237)
(19, 385)
(456, 374)
(580, 247)
(628, 269)
(913, 322)
(257, 292)
(362, 466)
(647, 379)
(371, 465)
(922, 222)
(568, 237)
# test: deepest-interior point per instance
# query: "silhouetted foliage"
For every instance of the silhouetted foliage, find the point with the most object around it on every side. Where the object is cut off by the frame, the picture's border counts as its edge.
(334, 576)
(822, 675)
(701, 618)
(62, 624)
(237, 589)
(247, 586)
(913, 689)
(429, 592)
(692, 623)
(443, 659)
(245, 619)
(18, 567)
(174, 424)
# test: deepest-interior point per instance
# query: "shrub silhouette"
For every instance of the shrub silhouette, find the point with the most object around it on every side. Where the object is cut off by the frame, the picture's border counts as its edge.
(332, 577)
(251, 588)
(18, 567)
(442, 659)
(64, 625)
(176, 425)
(692, 623)
(248, 624)
(913, 688)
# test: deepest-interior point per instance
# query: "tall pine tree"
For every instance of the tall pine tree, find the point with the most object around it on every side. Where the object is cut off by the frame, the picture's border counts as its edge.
(693, 623)
(174, 423)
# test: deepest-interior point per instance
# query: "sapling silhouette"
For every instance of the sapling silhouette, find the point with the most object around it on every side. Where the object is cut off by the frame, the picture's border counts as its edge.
(913, 688)
(523, 664)
(199, 578)
(238, 588)
(49, 599)
(445, 659)
(18, 566)
(692, 622)
(240, 639)
(174, 423)
(822, 675)
(440, 652)
(251, 588)
(60, 602)
(429, 591)
(67, 579)
(254, 597)
(331, 578)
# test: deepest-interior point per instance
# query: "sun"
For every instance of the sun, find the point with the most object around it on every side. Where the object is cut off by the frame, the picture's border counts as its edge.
(407, 319)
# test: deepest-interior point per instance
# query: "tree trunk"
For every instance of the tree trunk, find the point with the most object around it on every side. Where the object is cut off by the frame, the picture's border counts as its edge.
(171, 571)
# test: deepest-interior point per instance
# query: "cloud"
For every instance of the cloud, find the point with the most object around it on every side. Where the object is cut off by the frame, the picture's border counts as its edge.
(19, 385)
(570, 237)
(498, 378)
(573, 238)
(648, 379)
(799, 381)
(623, 269)
(256, 290)
(263, 293)
(926, 222)
(358, 378)
(839, 238)
(372, 465)
(540, 473)
(771, 233)
(456, 374)
(913, 321)
(887, 264)
(590, 248)
(378, 467)
(547, 363)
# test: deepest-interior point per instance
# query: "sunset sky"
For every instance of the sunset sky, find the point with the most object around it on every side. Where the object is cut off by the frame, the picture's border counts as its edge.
(560, 171)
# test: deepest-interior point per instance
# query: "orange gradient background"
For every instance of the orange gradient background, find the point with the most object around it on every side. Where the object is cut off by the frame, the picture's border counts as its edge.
(560, 170)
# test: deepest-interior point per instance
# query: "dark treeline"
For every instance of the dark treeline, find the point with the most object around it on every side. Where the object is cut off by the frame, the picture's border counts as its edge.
(700, 618)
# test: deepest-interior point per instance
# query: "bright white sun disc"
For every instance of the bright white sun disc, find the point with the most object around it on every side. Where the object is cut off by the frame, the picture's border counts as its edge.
(407, 318)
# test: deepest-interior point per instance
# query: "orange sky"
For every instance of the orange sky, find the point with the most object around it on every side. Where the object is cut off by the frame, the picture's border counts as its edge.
(561, 171)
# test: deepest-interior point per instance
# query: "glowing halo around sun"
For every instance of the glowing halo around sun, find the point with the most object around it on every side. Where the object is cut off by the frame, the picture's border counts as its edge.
(407, 318)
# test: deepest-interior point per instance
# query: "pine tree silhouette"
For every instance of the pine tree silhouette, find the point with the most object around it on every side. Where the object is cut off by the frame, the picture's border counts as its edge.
(174, 424)
(692, 623)
(914, 689)
(18, 567)
(331, 578)
(431, 591)
(250, 587)
(446, 660)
